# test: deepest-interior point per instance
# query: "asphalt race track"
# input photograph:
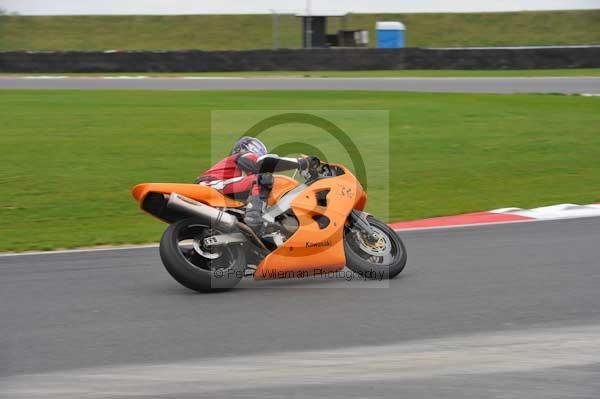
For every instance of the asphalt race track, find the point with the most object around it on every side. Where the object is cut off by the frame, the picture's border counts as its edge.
(507, 311)
(567, 85)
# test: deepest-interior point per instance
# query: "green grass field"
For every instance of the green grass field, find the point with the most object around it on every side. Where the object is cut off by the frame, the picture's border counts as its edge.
(222, 32)
(405, 73)
(70, 158)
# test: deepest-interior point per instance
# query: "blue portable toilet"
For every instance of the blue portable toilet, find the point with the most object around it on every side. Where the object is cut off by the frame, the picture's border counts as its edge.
(390, 34)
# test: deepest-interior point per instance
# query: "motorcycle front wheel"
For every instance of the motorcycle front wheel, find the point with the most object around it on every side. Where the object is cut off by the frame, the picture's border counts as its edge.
(380, 257)
(196, 267)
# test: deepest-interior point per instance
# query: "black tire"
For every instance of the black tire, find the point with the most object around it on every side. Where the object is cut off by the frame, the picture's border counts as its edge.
(365, 264)
(195, 271)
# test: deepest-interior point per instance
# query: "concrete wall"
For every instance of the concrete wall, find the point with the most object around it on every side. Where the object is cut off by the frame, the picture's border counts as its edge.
(301, 59)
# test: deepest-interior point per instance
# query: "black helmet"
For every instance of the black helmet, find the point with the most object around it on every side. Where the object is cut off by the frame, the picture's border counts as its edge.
(249, 144)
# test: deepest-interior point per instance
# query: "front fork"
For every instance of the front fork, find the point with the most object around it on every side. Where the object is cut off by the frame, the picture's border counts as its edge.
(359, 221)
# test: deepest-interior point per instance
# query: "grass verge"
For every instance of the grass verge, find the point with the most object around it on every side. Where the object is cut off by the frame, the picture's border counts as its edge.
(71, 157)
(239, 32)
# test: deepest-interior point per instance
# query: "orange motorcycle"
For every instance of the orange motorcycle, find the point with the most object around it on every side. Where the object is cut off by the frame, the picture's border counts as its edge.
(310, 228)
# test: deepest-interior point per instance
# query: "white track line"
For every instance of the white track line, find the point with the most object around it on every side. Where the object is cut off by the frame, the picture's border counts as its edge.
(458, 226)
(124, 77)
(299, 76)
(519, 351)
(206, 77)
(155, 245)
(80, 250)
(554, 212)
(44, 77)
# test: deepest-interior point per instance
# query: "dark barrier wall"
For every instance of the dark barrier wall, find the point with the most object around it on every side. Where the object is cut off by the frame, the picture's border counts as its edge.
(301, 59)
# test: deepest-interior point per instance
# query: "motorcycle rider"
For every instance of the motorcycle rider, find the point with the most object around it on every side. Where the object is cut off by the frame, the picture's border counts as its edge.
(238, 175)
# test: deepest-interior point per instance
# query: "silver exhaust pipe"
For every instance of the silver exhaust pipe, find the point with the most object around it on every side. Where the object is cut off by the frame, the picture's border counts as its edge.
(207, 214)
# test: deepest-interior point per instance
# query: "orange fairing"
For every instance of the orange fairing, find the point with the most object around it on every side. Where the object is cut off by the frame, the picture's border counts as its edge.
(361, 201)
(315, 247)
(281, 185)
(209, 195)
(197, 192)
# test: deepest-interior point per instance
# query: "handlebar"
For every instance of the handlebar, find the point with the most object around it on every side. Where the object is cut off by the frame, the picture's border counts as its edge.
(320, 170)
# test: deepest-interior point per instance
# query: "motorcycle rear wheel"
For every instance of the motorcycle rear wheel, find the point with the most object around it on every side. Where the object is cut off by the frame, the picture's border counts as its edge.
(382, 259)
(207, 271)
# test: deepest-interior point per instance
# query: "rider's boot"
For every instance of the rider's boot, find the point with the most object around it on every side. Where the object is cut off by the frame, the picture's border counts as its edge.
(257, 202)
(254, 211)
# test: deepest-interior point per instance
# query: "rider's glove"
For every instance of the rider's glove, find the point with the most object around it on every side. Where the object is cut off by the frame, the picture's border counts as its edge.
(308, 163)
(308, 167)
